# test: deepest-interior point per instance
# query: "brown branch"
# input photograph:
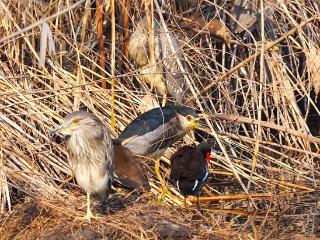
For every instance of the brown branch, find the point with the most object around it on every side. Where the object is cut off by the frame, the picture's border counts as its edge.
(126, 27)
(123, 35)
(113, 59)
(242, 196)
(231, 197)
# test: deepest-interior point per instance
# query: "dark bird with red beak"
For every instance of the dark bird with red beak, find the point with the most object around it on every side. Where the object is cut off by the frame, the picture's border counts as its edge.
(189, 169)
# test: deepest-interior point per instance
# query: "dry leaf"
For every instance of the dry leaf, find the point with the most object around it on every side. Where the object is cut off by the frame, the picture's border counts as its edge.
(313, 67)
(147, 103)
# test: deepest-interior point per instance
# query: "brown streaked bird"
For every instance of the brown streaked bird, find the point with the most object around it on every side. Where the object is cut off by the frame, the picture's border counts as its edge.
(245, 14)
(128, 172)
(166, 76)
(91, 154)
(189, 169)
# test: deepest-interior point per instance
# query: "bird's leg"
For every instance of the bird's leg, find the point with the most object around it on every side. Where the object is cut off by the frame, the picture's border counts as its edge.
(164, 99)
(89, 215)
(117, 189)
(185, 201)
(165, 190)
(198, 202)
(157, 171)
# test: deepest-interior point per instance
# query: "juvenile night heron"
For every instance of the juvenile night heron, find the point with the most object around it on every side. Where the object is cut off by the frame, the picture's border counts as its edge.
(91, 154)
(154, 131)
(166, 76)
(189, 169)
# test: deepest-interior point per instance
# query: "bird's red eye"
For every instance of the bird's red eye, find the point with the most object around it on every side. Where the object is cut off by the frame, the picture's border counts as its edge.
(189, 117)
(76, 121)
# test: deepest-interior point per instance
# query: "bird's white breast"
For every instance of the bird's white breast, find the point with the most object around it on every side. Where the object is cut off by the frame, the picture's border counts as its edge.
(90, 163)
(91, 178)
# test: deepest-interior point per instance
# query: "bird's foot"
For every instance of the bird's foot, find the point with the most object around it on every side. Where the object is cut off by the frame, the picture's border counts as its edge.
(87, 217)
(164, 190)
(117, 189)
(162, 195)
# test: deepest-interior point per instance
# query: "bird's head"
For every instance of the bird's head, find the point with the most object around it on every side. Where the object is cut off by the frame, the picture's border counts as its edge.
(76, 122)
(188, 118)
(205, 148)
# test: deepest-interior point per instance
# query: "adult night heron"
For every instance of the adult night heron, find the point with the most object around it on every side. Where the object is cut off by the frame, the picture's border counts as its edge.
(189, 169)
(154, 131)
(151, 133)
(166, 76)
(91, 154)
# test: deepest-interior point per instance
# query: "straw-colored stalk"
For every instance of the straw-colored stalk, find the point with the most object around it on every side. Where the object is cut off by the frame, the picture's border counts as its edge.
(99, 14)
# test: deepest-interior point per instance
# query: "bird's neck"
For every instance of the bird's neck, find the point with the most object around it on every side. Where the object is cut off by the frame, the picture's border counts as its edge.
(185, 125)
(83, 148)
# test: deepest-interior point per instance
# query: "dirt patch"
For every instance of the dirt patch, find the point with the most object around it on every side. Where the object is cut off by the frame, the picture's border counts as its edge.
(141, 220)
(141, 216)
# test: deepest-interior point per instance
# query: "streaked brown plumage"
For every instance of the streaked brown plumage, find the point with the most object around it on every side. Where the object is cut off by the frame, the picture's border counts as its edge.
(166, 76)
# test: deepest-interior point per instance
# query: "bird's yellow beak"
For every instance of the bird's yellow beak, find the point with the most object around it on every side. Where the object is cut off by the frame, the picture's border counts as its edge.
(201, 116)
(196, 123)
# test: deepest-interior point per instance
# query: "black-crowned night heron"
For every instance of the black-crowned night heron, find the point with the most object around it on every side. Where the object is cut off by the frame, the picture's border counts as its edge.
(189, 169)
(128, 172)
(91, 154)
(154, 131)
(166, 76)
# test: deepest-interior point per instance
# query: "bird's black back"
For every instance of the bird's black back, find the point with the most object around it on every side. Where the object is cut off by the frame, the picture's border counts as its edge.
(189, 170)
(154, 131)
(148, 122)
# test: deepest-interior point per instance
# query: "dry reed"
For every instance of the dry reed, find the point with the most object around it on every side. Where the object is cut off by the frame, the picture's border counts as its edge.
(258, 97)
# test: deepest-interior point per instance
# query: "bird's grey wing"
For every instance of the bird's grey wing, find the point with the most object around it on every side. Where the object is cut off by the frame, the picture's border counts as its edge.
(146, 123)
(109, 159)
(169, 135)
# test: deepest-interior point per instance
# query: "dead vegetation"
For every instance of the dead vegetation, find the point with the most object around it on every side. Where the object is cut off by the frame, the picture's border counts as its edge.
(258, 89)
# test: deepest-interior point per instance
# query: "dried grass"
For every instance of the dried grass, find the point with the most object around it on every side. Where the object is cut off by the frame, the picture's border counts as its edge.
(226, 84)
